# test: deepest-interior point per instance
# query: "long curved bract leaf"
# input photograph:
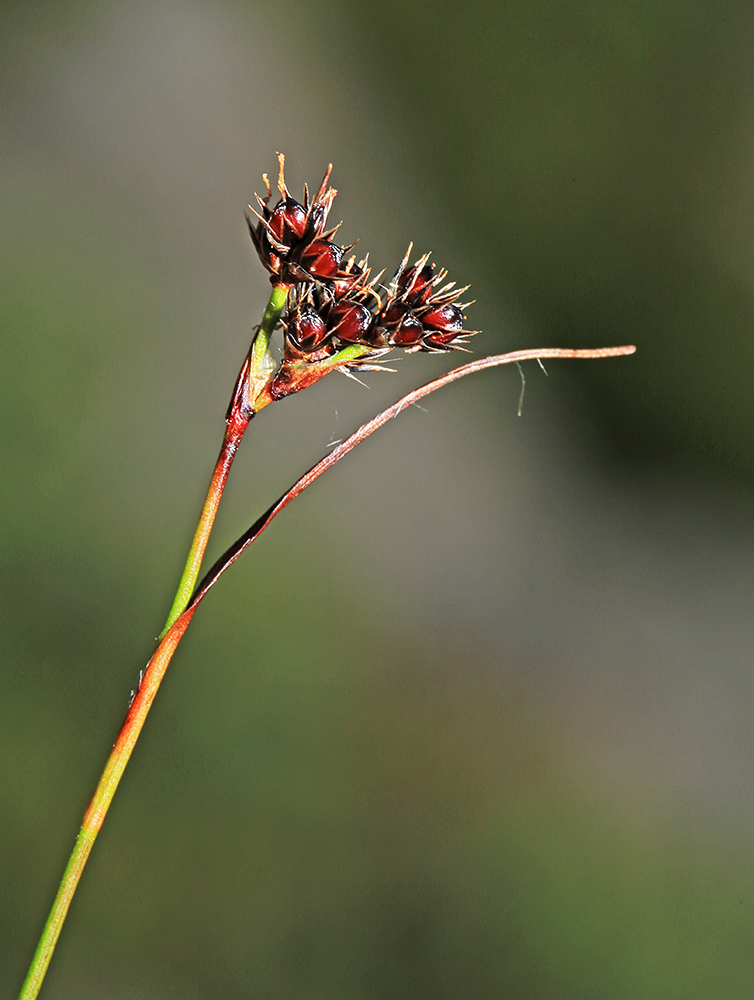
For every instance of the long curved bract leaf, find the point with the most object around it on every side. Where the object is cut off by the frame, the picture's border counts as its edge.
(256, 529)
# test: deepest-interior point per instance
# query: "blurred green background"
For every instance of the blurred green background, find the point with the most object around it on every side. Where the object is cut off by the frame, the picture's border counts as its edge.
(474, 717)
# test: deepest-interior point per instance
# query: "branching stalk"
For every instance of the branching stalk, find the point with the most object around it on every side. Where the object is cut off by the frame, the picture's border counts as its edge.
(155, 670)
(247, 398)
(339, 317)
(250, 383)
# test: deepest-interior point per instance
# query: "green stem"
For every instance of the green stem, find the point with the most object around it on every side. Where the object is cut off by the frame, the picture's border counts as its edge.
(95, 814)
(351, 353)
(255, 376)
(231, 440)
(260, 361)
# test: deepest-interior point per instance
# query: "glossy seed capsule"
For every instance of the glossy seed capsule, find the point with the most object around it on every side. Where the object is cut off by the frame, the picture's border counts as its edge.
(344, 281)
(309, 330)
(409, 333)
(288, 221)
(437, 339)
(446, 318)
(321, 259)
(394, 315)
(350, 321)
(415, 285)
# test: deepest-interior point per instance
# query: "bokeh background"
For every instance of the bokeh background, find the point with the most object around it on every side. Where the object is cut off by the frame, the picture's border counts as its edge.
(474, 717)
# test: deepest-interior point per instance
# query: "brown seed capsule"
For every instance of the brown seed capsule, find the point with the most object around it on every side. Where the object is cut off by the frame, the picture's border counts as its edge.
(440, 340)
(376, 336)
(394, 315)
(346, 278)
(269, 258)
(316, 220)
(415, 285)
(288, 221)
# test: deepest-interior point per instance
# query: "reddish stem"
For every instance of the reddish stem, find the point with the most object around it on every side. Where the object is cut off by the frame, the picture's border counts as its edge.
(95, 814)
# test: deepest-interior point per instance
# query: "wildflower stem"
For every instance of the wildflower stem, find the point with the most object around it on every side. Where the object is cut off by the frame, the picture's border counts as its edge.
(95, 814)
(260, 361)
(232, 438)
(253, 376)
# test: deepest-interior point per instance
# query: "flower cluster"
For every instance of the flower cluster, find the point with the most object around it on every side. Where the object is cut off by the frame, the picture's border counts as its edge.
(290, 238)
(415, 311)
(335, 303)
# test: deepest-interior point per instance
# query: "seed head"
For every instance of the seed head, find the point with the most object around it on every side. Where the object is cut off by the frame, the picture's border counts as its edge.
(335, 305)
(415, 312)
(290, 238)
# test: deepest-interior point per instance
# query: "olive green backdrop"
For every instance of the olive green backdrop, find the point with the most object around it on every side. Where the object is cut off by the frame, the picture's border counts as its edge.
(473, 719)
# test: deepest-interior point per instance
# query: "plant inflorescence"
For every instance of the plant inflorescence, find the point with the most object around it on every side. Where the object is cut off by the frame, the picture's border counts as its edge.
(340, 315)
(335, 315)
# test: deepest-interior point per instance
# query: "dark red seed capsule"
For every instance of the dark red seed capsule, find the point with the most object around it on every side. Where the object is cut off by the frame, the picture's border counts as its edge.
(445, 318)
(349, 321)
(316, 221)
(416, 285)
(268, 256)
(409, 333)
(309, 330)
(376, 336)
(321, 259)
(394, 315)
(288, 221)
(437, 339)
(344, 281)
(422, 290)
